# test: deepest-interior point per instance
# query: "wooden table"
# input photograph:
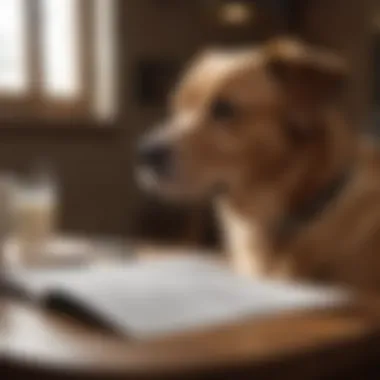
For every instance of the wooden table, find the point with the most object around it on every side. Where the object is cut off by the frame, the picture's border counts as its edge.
(36, 342)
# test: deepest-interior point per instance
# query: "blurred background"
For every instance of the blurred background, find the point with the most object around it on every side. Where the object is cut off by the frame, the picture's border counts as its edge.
(81, 80)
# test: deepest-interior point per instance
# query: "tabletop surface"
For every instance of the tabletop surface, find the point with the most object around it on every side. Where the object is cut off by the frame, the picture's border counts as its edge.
(40, 340)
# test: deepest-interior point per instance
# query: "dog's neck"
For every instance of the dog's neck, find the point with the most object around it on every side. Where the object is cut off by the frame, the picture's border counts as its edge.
(299, 179)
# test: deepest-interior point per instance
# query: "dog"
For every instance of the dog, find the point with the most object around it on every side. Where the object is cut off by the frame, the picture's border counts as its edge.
(261, 130)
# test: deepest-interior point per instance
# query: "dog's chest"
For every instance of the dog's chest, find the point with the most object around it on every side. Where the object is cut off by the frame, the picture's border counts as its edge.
(241, 239)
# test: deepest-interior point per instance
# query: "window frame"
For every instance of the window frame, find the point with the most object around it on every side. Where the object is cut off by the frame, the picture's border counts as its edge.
(33, 108)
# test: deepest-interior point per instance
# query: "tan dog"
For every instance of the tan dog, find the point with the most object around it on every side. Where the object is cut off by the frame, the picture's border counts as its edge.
(261, 130)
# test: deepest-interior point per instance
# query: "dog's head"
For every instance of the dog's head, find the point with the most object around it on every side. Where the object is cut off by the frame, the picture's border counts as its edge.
(239, 114)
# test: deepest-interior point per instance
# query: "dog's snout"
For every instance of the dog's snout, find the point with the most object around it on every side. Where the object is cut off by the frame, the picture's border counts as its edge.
(156, 155)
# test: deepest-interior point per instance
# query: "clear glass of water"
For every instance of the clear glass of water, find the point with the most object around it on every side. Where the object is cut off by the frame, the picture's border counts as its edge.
(34, 216)
(6, 193)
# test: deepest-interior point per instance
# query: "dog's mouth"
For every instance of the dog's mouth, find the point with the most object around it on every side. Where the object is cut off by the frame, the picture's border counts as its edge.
(162, 171)
(170, 187)
(162, 180)
(175, 187)
(156, 164)
(152, 180)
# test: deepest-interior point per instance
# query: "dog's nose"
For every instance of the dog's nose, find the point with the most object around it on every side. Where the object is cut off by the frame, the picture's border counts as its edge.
(156, 155)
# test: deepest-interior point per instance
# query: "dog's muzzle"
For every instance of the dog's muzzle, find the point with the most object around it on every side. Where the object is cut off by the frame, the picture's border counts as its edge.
(156, 156)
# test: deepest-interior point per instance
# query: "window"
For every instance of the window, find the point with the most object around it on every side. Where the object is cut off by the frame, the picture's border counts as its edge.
(57, 59)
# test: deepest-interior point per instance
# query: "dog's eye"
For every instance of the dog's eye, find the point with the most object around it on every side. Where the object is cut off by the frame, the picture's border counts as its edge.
(223, 110)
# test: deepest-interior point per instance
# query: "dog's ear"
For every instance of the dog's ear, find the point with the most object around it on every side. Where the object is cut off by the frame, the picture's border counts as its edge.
(311, 78)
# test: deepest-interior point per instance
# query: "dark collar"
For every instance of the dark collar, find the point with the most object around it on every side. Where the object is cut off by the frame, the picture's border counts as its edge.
(292, 222)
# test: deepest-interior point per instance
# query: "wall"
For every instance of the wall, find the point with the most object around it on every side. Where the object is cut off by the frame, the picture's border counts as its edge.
(345, 25)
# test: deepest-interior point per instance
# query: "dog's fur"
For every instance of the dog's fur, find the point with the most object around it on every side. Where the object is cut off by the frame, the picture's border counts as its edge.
(263, 129)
